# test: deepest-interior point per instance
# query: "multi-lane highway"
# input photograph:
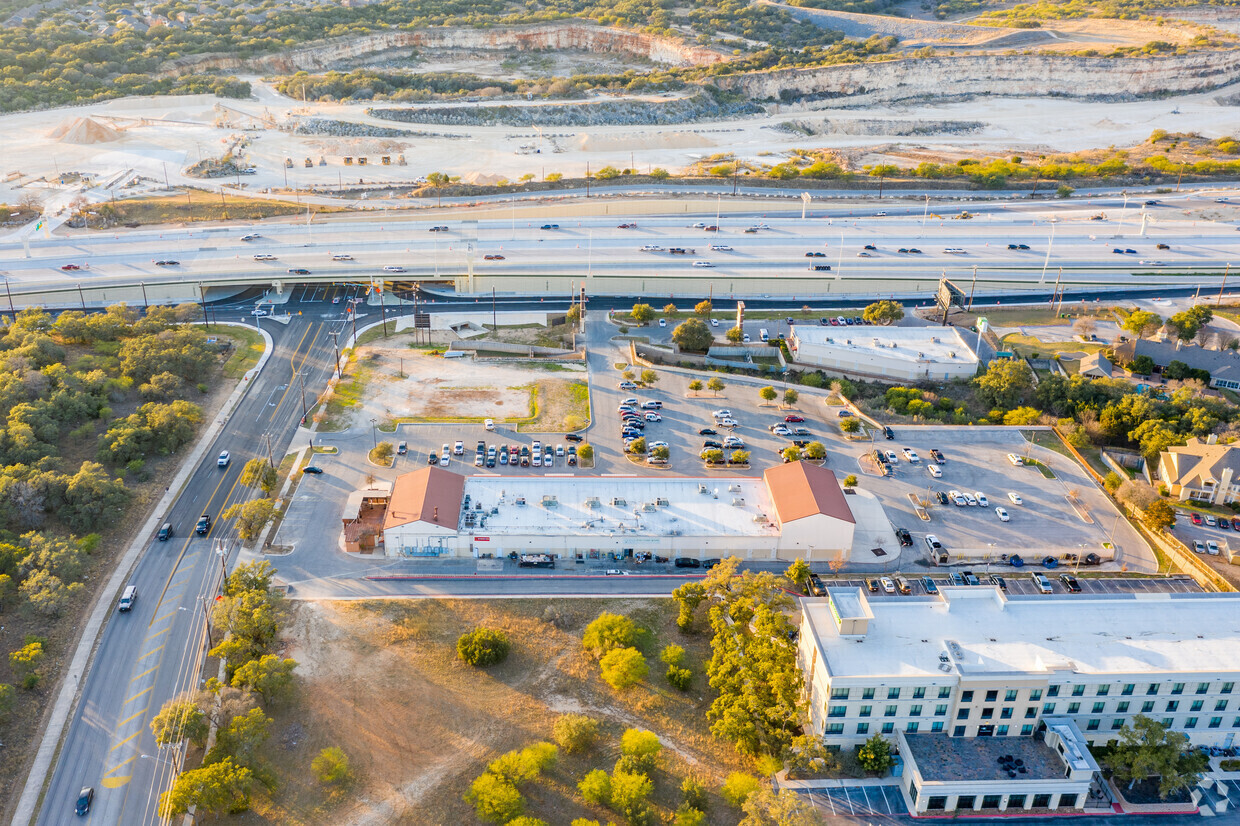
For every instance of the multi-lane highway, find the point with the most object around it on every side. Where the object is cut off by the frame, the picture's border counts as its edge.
(154, 652)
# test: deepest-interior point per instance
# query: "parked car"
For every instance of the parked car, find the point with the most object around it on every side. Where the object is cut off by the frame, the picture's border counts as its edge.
(930, 585)
(1070, 583)
(1002, 514)
(889, 587)
(686, 562)
(933, 543)
(1041, 583)
(998, 581)
(315, 469)
(1014, 498)
(573, 437)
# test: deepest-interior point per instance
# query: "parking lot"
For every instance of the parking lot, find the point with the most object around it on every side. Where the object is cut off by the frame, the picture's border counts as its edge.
(858, 801)
(1018, 581)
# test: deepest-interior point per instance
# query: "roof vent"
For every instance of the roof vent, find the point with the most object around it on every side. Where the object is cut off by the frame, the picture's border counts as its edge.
(760, 518)
(920, 354)
(702, 488)
(934, 339)
(617, 502)
(650, 507)
(592, 502)
(550, 501)
(734, 488)
(520, 500)
(737, 502)
(662, 503)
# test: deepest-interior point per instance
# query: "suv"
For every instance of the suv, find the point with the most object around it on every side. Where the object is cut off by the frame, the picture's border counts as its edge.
(687, 562)
(224, 459)
(906, 538)
(402, 448)
(128, 598)
(1070, 583)
(816, 587)
(165, 532)
(204, 524)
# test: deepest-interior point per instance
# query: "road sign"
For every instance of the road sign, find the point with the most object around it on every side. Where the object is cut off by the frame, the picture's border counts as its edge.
(949, 295)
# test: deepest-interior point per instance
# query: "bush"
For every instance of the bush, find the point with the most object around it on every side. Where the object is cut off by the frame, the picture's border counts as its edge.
(874, 755)
(672, 655)
(331, 766)
(694, 793)
(383, 453)
(850, 481)
(623, 668)
(640, 750)
(482, 647)
(575, 732)
(595, 787)
(1112, 482)
(609, 631)
(679, 678)
(738, 787)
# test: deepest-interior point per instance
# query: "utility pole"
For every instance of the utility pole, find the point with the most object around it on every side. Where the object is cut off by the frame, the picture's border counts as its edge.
(301, 378)
(336, 347)
(202, 294)
(1057, 298)
(8, 289)
(81, 297)
(973, 288)
(270, 462)
(146, 305)
(383, 311)
(587, 179)
(1221, 286)
(494, 312)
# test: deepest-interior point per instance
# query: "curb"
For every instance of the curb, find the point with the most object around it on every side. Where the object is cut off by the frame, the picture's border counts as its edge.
(67, 698)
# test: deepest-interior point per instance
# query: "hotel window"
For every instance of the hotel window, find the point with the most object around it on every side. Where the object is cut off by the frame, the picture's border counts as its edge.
(1226, 688)
(889, 711)
(1203, 688)
(837, 711)
(1117, 724)
(1078, 690)
(1005, 713)
(1104, 690)
(1235, 723)
(966, 801)
(865, 711)
(1215, 722)
(937, 803)
(1099, 708)
(839, 694)
(958, 731)
(1067, 801)
(1010, 697)
(888, 728)
(1031, 712)
(1177, 688)
(966, 697)
(919, 693)
(1016, 801)
(940, 710)
(987, 713)
(1173, 705)
(1128, 688)
(1121, 707)
(1025, 731)
(991, 696)
(911, 728)
(834, 728)
(867, 694)
(1093, 725)
(1073, 708)
(1197, 704)
(1041, 801)
(1048, 708)
(1220, 705)
(1002, 731)
(863, 728)
(1153, 689)
(945, 691)
(1035, 695)
(936, 727)
(1191, 722)
(893, 694)
(962, 714)
(914, 711)
(1147, 706)
(1168, 722)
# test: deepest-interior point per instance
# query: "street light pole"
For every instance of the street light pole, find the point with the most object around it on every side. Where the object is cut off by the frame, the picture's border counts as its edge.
(336, 347)
(374, 433)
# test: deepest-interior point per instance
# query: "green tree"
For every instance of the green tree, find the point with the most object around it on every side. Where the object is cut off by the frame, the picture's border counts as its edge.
(585, 452)
(686, 815)
(766, 807)
(482, 647)
(638, 445)
(695, 386)
(629, 792)
(768, 394)
(661, 453)
(670, 310)
(242, 738)
(659, 174)
(608, 632)
(851, 425)
(1147, 748)
(649, 377)
(688, 597)
(438, 180)
(693, 335)
(1188, 323)
(642, 313)
(672, 654)
(494, 799)
(47, 594)
(738, 788)
(735, 335)
(523, 765)
(1159, 515)
(1142, 323)
(715, 385)
(874, 755)
(694, 793)
(679, 678)
(623, 668)
(790, 397)
(270, 677)
(850, 481)
(252, 517)
(595, 787)
(1064, 191)
(712, 456)
(383, 453)
(1142, 365)
(791, 453)
(180, 719)
(575, 732)
(703, 308)
(806, 755)
(258, 474)
(331, 766)
(1005, 383)
(639, 750)
(797, 572)
(883, 312)
(215, 788)
(739, 457)
(574, 314)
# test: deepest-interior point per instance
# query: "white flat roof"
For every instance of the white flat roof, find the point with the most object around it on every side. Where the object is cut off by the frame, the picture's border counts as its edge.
(638, 505)
(913, 344)
(980, 631)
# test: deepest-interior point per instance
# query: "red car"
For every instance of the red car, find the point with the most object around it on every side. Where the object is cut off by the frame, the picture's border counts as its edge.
(1196, 517)
(794, 418)
(68, 267)
(493, 257)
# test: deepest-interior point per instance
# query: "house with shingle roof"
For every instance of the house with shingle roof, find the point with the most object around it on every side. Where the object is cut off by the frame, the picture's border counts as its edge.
(1202, 470)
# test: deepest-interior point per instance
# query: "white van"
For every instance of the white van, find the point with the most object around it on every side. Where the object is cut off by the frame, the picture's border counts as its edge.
(1016, 460)
(953, 251)
(128, 598)
(1042, 584)
(764, 335)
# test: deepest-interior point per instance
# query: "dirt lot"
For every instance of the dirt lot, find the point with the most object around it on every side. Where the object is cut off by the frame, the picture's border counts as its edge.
(381, 680)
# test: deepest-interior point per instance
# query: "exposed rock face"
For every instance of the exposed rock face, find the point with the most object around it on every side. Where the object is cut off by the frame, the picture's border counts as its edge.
(997, 75)
(611, 112)
(572, 35)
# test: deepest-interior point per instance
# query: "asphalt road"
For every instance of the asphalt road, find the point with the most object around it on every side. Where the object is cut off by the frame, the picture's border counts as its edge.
(153, 653)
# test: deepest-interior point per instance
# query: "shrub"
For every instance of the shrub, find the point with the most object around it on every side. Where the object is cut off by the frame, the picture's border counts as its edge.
(575, 732)
(482, 647)
(640, 750)
(672, 655)
(623, 668)
(679, 678)
(609, 631)
(331, 766)
(694, 793)
(738, 787)
(595, 787)
(850, 481)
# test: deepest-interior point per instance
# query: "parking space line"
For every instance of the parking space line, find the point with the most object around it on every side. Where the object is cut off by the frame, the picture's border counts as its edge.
(887, 800)
(131, 716)
(163, 630)
(866, 796)
(152, 651)
(848, 797)
(830, 802)
(136, 696)
(126, 740)
(143, 674)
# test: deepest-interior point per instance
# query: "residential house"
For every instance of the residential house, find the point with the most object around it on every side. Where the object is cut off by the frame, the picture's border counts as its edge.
(1222, 365)
(1202, 470)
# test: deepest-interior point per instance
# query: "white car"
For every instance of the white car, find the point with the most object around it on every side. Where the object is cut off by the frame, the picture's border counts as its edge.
(935, 471)
(1212, 548)
(892, 457)
(536, 458)
(489, 424)
(981, 499)
(745, 338)
(653, 445)
(652, 248)
(722, 414)
(911, 455)
(458, 449)
(889, 587)
(1015, 499)
(663, 322)
(393, 268)
(703, 264)
(1198, 546)
(253, 236)
(264, 256)
(728, 423)
(653, 417)
(630, 402)
(933, 543)
(342, 257)
(969, 500)
(1002, 514)
(880, 214)
(864, 254)
(224, 459)
(259, 311)
(444, 458)
(720, 248)
(781, 430)
(714, 322)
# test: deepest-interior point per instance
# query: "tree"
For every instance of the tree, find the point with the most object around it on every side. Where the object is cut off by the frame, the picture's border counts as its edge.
(694, 793)
(495, 799)
(573, 316)
(687, 815)
(670, 310)
(688, 597)
(739, 457)
(639, 750)
(851, 425)
(438, 180)
(585, 452)
(790, 397)
(766, 807)
(1188, 323)
(1085, 326)
(693, 335)
(46, 593)
(816, 451)
(883, 312)
(242, 737)
(623, 668)
(180, 719)
(1147, 748)
(661, 453)
(525, 764)
(807, 755)
(791, 453)
(649, 377)
(482, 647)
(738, 787)
(383, 453)
(252, 517)
(715, 385)
(629, 791)
(672, 654)
(609, 632)
(797, 572)
(269, 676)
(768, 394)
(679, 678)
(595, 787)
(659, 173)
(638, 445)
(259, 474)
(642, 313)
(850, 481)
(575, 732)
(1142, 365)
(1142, 323)
(695, 386)
(1005, 383)
(331, 766)
(215, 788)
(735, 335)
(703, 308)
(1159, 515)
(874, 755)
(26, 660)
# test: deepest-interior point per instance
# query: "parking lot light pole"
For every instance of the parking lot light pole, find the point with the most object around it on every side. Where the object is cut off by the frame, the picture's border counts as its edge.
(374, 433)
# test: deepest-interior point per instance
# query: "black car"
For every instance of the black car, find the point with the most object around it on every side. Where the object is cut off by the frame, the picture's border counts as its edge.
(1093, 559)
(573, 437)
(1070, 583)
(889, 433)
(825, 322)
(941, 495)
(999, 581)
(870, 247)
(204, 524)
(816, 587)
(312, 469)
(168, 263)
(85, 797)
(711, 443)
(708, 431)
(432, 459)
(1164, 246)
(937, 455)
(906, 538)
(550, 226)
(710, 563)
(815, 255)
(687, 562)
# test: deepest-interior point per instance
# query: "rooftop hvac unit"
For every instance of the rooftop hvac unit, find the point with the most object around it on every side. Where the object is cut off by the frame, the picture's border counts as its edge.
(617, 502)
(760, 518)
(520, 500)
(738, 502)
(495, 511)
(549, 500)
(650, 507)
(734, 488)
(952, 354)
(848, 341)
(702, 488)
(934, 339)
(592, 502)
(876, 342)
(662, 503)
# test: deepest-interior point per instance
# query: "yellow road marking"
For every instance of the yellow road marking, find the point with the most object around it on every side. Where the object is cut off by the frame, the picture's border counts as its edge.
(136, 696)
(121, 743)
(143, 674)
(152, 651)
(131, 716)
